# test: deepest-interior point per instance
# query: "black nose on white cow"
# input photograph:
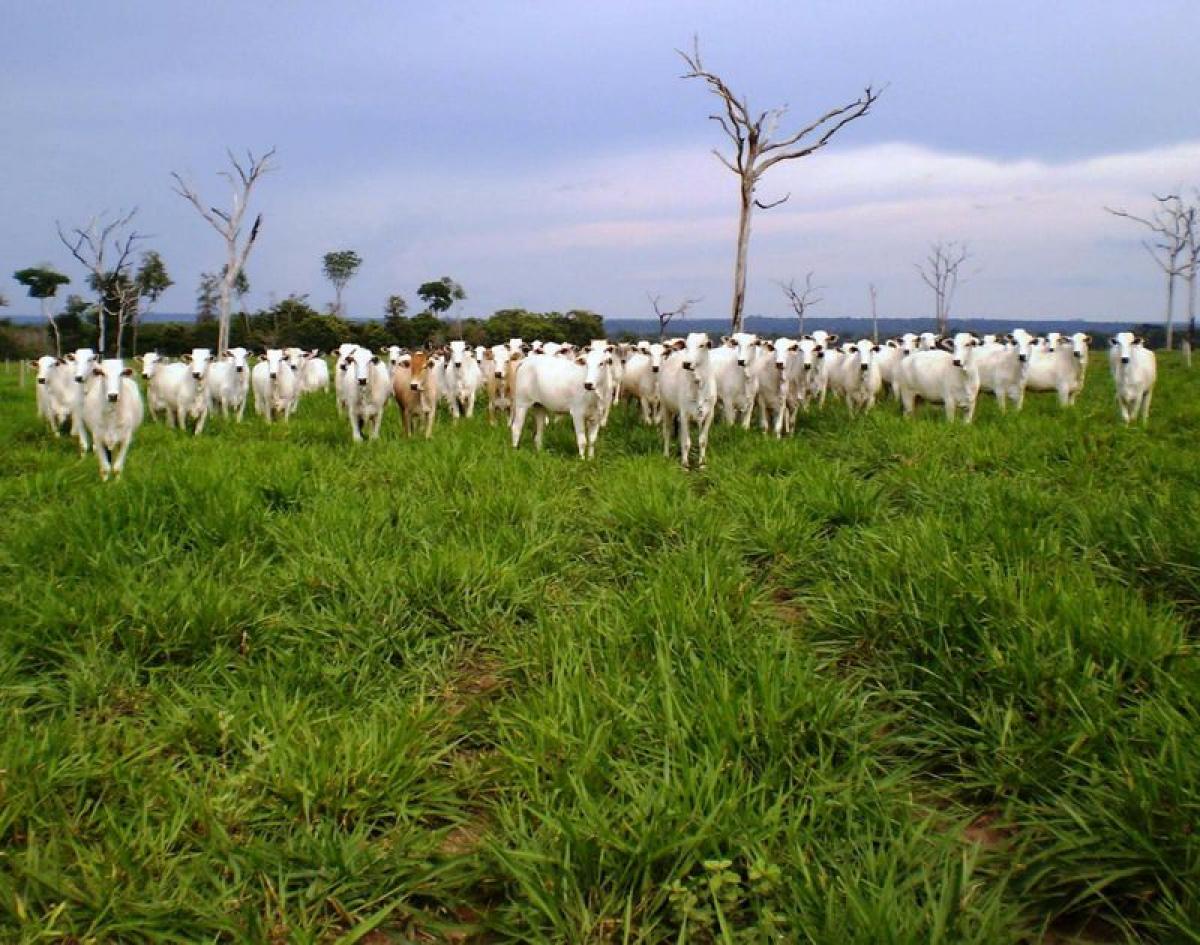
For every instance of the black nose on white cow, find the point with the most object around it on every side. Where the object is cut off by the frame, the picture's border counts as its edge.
(499, 375)
(1079, 354)
(741, 362)
(274, 375)
(654, 368)
(1125, 360)
(415, 386)
(1022, 358)
(41, 380)
(241, 368)
(588, 385)
(957, 362)
(864, 367)
(196, 375)
(687, 365)
(362, 382)
(112, 398)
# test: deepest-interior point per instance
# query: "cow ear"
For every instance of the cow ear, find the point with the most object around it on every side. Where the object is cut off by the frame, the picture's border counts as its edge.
(875, 348)
(128, 372)
(1139, 340)
(186, 358)
(819, 348)
(375, 360)
(581, 361)
(1113, 341)
(833, 339)
(679, 345)
(96, 372)
(71, 356)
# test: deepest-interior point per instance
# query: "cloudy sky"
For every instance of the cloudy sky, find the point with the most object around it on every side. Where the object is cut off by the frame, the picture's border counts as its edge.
(548, 155)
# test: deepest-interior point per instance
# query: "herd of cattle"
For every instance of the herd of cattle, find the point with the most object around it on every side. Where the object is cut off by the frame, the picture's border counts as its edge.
(677, 384)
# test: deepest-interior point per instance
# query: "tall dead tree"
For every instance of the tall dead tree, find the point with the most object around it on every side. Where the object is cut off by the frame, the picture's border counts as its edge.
(803, 298)
(666, 316)
(1169, 224)
(1191, 263)
(940, 273)
(874, 314)
(228, 223)
(756, 150)
(105, 249)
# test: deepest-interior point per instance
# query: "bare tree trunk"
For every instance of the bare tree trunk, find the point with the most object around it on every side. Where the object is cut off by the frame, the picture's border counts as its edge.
(49, 316)
(1170, 309)
(102, 320)
(739, 268)
(137, 320)
(874, 316)
(1190, 339)
(120, 331)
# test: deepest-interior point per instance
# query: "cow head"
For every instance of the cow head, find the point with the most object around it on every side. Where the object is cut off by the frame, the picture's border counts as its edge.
(359, 364)
(111, 371)
(237, 357)
(747, 347)
(200, 361)
(82, 360)
(1123, 344)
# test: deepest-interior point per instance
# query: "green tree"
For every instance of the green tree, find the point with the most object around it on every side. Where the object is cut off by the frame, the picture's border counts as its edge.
(43, 283)
(76, 323)
(395, 306)
(340, 267)
(152, 281)
(208, 294)
(441, 294)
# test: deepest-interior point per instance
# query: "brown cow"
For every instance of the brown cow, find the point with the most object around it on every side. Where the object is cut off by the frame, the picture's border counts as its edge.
(414, 385)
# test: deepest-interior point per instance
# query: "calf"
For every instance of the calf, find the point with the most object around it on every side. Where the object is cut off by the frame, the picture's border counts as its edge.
(946, 376)
(689, 394)
(891, 353)
(340, 355)
(806, 377)
(112, 410)
(275, 386)
(229, 382)
(368, 389)
(1052, 369)
(56, 392)
(1134, 370)
(581, 387)
(414, 385)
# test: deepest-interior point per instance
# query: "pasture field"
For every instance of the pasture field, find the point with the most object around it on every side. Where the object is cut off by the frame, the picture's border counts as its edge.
(885, 681)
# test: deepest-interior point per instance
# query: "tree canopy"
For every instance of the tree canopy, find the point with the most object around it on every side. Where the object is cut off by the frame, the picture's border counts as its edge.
(440, 294)
(42, 281)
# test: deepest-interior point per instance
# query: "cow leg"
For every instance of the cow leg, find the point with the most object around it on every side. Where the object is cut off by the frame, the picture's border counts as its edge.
(664, 421)
(105, 462)
(377, 424)
(1146, 405)
(119, 462)
(518, 423)
(581, 433)
(200, 421)
(951, 409)
(704, 427)
(685, 440)
(969, 409)
(539, 426)
(355, 433)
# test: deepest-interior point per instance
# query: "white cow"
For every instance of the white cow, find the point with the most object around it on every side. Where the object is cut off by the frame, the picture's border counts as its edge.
(946, 376)
(112, 410)
(339, 359)
(891, 353)
(927, 341)
(554, 385)
(458, 380)
(1052, 368)
(152, 364)
(806, 377)
(80, 363)
(858, 378)
(689, 393)
(732, 366)
(183, 386)
(56, 392)
(1002, 366)
(642, 371)
(313, 374)
(229, 382)
(276, 388)
(368, 389)
(1134, 370)
(771, 370)
(495, 380)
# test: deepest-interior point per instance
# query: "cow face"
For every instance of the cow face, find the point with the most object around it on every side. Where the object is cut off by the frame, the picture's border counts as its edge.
(500, 358)
(151, 361)
(866, 351)
(1123, 345)
(111, 372)
(238, 358)
(458, 354)
(1023, 344)
(1079, 345)
(82, 360)
(359, 365)
(200, 360)
(747, 347)
(596, 364)
(783, 351)
(46, 365)
(695, 350)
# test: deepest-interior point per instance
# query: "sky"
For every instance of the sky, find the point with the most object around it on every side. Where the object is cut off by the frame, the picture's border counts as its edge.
(549, 156)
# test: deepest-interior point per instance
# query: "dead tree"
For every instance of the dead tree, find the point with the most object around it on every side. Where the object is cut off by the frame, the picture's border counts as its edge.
(940, 273)
(108, 272)
(666, 316)
(756, 150)
(1191, 263)
(229, 225)
(874, 314)
(801, 299)
(1169, 224)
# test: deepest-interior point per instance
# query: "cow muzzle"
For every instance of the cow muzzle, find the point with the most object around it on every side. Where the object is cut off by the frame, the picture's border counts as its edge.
(957, 362)
(197, 375)
(112, 398)
(1079, 355)
(1125, 360)
(588, 385)
(864, 368)
(416, 387)
(499, 375)
(241, 369)
(362, 382)
(654, 369)
(41, 380)
(274, 375)
(1023, 358)
(741, 362)
(687, 365)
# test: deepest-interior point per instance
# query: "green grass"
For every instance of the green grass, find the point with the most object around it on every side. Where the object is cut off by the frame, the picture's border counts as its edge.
(887, 681)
